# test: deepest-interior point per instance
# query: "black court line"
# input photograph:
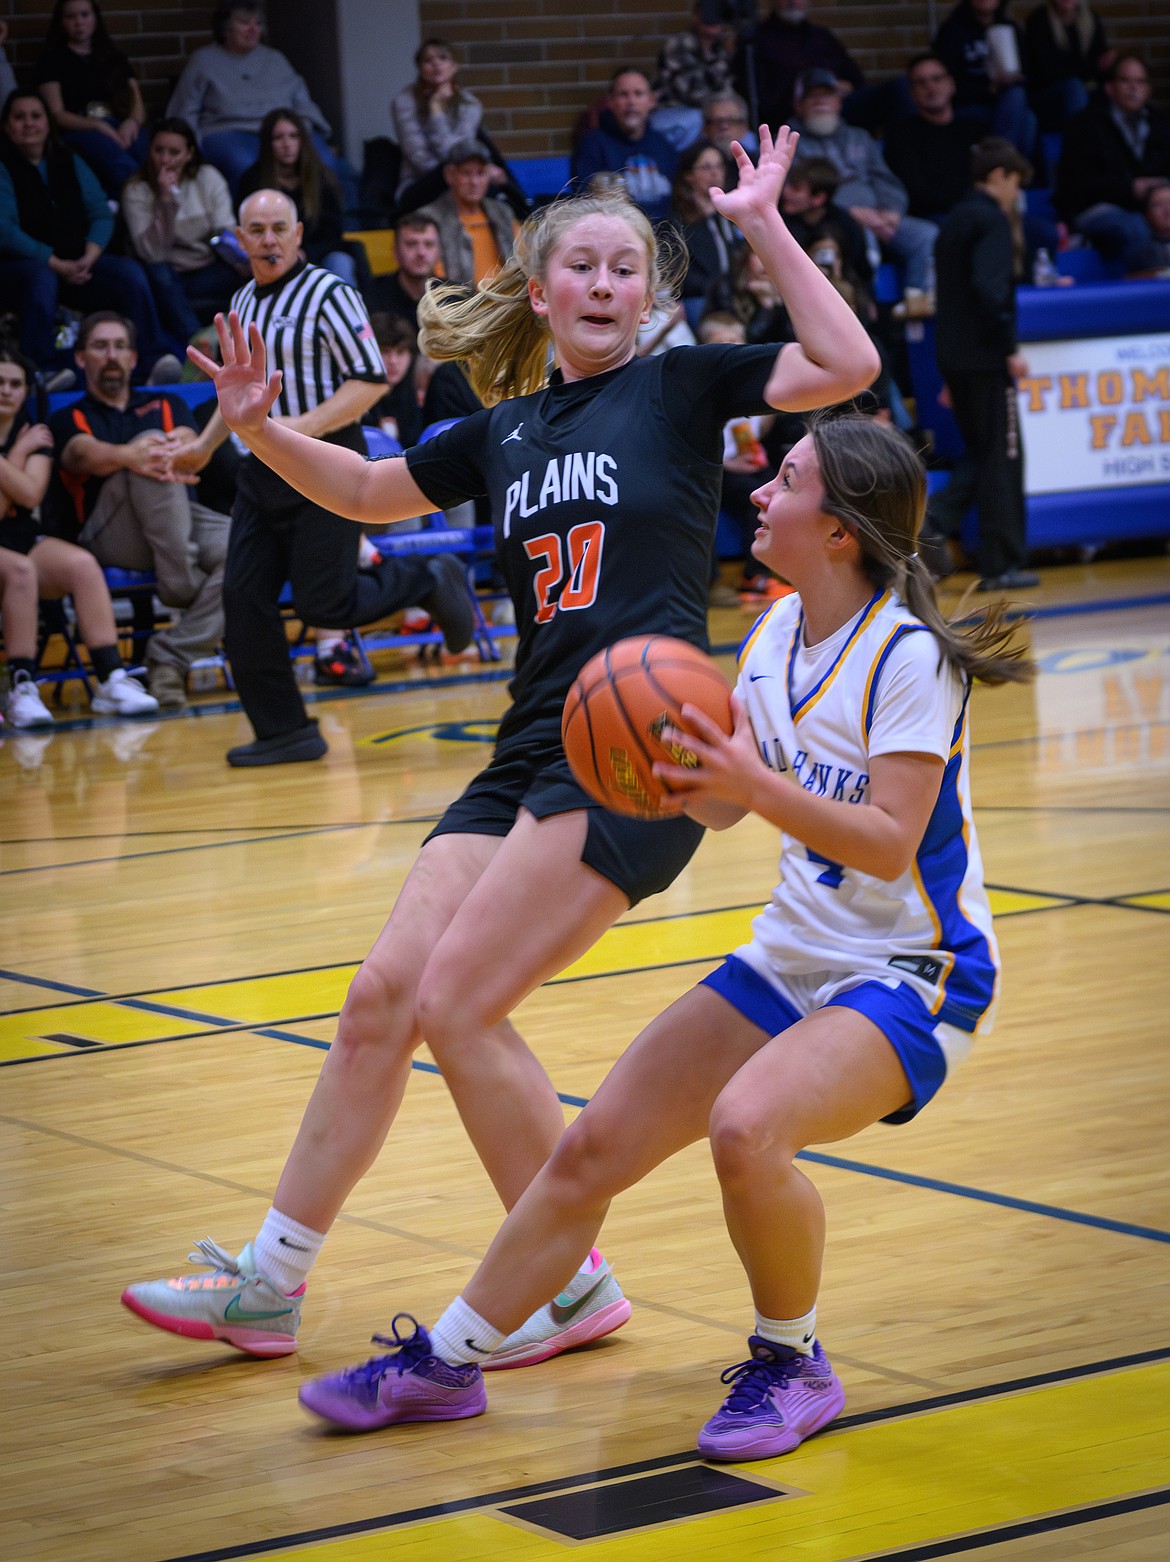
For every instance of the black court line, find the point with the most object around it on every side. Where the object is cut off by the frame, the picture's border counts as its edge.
(209, 846)
(1093, 1514)
(815, 1157)
(672, 1461)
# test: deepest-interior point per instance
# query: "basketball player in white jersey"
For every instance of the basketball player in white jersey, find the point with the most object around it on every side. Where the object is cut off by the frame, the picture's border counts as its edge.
(867, 977)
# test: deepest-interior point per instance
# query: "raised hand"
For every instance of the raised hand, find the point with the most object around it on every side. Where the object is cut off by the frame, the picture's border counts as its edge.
(245, 390)
(758, 190)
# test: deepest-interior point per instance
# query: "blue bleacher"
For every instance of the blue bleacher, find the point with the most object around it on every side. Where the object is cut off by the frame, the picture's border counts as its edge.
(541, 178)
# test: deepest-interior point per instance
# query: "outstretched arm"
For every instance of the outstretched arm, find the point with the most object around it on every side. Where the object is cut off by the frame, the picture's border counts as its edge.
(880, 839)
(833, 357)
(337, 479)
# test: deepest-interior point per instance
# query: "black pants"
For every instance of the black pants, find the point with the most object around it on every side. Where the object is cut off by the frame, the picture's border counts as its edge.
(984, 404)
(278, 536)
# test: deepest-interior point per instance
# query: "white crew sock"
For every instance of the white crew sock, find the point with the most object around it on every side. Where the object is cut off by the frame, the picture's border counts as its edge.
(796, 1333)
(461, 1336)
(327, 644)
(286, 1251)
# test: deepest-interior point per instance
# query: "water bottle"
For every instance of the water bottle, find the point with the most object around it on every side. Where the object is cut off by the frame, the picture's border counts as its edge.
(1044, 272)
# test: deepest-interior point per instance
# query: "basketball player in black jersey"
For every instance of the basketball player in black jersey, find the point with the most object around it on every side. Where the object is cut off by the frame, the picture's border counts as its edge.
(604, 487)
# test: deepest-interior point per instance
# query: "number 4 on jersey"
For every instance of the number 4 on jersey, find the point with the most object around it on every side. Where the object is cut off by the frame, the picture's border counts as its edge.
(580, 589)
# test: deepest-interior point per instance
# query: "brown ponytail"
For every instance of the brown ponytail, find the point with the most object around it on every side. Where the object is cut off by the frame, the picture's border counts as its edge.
(875, 484)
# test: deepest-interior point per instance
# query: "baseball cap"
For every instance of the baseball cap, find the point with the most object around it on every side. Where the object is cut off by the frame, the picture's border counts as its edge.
(809, 80)
(466, 151)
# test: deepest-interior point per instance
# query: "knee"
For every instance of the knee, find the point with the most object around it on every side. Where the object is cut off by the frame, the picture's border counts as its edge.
(377, 1013)
(743, 1142)
(20, 576)
(446, 1018)
(575, 1173)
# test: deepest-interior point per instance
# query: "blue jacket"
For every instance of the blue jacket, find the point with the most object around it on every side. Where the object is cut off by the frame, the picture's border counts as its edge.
(647, 166)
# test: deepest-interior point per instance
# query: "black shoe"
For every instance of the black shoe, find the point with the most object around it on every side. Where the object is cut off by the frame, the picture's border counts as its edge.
(343, 666)
(287, 748)
(449, 604)
(1010, 580)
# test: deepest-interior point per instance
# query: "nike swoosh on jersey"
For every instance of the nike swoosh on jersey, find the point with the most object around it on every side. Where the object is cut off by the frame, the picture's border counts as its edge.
(234, 1313)
(755, 677)
(566, 1308)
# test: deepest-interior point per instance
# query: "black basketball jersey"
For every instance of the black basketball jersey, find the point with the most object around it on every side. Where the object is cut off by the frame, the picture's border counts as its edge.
(604, 496)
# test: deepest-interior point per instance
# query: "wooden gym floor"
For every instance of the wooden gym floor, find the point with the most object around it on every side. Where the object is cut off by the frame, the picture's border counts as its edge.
(177, 939)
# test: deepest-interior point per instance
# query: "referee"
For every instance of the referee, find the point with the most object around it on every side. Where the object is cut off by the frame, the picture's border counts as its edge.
(316, 331)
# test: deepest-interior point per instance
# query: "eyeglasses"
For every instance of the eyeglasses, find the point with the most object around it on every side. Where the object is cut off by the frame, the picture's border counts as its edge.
(725, 119)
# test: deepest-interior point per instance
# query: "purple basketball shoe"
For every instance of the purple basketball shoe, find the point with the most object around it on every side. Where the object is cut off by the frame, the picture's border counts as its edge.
(778, 1398)
(410, 1384)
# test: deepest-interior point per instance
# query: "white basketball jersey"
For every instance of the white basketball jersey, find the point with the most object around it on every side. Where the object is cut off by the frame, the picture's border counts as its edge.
(875, 687)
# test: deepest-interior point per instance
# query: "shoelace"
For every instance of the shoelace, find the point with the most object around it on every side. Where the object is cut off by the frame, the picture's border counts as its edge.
(753, 1380)
(212, 1256)
(407, 1351)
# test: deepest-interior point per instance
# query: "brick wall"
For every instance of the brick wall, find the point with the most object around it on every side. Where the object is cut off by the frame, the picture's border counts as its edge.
(537, 63)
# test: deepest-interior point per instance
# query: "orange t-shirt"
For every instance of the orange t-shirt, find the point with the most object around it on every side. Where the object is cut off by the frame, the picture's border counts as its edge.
(485, 252)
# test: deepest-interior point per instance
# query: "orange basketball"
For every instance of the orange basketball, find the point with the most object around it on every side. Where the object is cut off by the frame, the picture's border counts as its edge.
(622, 699)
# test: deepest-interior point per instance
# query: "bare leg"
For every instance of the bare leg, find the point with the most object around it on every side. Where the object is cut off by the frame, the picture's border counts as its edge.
(18, 604)
(535, 909)
(825, 1079)
(361, 1083)
(65, 570)
(656, 1099)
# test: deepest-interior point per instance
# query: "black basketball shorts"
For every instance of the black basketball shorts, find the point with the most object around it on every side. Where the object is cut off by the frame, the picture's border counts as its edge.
(639, 856)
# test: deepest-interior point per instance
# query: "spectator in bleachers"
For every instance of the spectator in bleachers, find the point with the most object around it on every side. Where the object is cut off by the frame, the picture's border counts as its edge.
(710, 239)
(725, 119)
(1067, 55)
(289, 161)
(398, 412)
(1157, 214)
(417, 252)
(746, 467)
(117, 493)
(475, 233)
(931, 151)
(786, 46)
(174, 206)
(55, 224)
(808, 204)
(625, 146)
(872, 195)
(34, 567)
(990, 87)
(92, 93)
(228, 86)
(750, 295)
(978, 355)
(1114, 153)
(432, 114)
(7, 74)
(692, 67)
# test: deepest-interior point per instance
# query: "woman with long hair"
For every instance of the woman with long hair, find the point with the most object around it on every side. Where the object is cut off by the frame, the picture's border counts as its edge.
(289, 161)
(604, 488)
(92, 92)
(175, 206)
(869, 974)
(711, 240)
(55, 226)
(34, 567)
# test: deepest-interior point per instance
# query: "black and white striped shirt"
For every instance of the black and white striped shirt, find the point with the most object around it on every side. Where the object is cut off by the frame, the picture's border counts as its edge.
(316, 331)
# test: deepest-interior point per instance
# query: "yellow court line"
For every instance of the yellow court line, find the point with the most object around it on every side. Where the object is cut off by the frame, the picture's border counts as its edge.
(897, 1483)
(267, 1000)
(1158, 902)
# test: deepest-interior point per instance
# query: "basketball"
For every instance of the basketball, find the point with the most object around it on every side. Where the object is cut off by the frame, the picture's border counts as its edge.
(615, 711)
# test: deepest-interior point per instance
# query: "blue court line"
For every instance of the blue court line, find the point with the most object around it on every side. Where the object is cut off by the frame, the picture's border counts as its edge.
(41, 981)
(862, 1168)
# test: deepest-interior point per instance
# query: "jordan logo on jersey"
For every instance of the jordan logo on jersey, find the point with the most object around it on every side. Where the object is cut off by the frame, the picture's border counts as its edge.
(515, 434)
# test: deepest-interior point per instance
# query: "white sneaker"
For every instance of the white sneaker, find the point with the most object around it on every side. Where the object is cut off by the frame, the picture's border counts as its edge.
(121, 695)
(24, 706)
(590, 1306)
(235, 1303)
